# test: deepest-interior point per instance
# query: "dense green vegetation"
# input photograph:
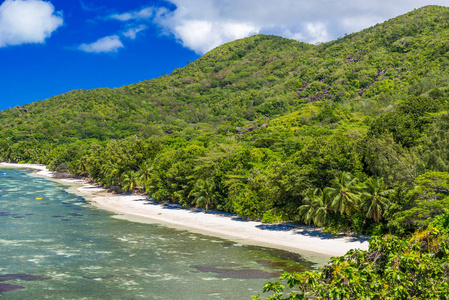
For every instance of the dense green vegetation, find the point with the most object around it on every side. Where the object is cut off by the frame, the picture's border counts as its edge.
(392, 268)
(269, 128)
(351, 135)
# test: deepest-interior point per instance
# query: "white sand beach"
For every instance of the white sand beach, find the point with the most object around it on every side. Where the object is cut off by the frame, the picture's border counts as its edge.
(309, 241)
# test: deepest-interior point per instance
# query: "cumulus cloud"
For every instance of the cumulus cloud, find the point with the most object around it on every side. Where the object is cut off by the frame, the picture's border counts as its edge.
(27, 21)
(201, 36)
(106, 44)
(318, 32)
(201, 25)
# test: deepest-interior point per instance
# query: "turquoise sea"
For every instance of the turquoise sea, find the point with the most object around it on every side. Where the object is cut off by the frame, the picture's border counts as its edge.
(55, 245)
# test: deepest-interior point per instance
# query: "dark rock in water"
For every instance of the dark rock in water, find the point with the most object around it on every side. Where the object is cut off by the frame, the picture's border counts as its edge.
(29, 214)
(230, 265)
(57, 216)
(23, 276)
(18, 217)
(4, 214)
(241, 273)
(4, 287)
(272, 264)
(75, 215)
(281, 265)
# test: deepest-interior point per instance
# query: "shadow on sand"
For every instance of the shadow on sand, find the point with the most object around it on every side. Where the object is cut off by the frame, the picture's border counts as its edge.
(310, 231)
(296, 229)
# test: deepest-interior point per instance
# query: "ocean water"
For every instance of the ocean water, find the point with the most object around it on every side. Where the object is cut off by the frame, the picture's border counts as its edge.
(55, 245)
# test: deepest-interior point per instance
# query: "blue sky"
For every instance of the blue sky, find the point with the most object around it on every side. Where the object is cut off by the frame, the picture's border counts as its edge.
(54, 46)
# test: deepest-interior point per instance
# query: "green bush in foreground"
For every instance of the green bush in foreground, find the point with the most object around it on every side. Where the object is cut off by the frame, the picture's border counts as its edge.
(392, 268)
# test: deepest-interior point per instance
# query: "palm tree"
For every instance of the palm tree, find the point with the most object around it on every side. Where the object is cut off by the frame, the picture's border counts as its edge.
(129, 181)
(345, 198)
(317, 207)
(110, 174)
(81, 167)
(374, 198)
(203, 193)
(144, 174)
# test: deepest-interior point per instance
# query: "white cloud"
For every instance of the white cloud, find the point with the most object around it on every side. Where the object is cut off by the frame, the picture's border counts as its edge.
(317, 32)
(104, 45)
(27, 21)
(144, 13)
(134, 22)
(201, 36)
(133, 31)
(201, 25)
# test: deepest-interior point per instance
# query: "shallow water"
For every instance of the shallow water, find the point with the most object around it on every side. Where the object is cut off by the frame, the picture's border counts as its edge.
(54, 245)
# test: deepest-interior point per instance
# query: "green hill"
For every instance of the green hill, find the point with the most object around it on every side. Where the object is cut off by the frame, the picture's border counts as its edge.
(259, 77)
(256, 125)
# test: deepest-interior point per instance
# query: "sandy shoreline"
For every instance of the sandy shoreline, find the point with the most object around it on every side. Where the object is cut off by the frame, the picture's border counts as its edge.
(309, 241)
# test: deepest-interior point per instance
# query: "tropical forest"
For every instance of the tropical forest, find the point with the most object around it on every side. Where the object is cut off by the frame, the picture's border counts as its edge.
(351, 136)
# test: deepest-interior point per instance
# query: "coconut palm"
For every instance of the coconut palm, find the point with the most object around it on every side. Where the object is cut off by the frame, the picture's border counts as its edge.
(317, 208)
(110, 174)
(345, 198)
(374, 198)
(203, 193)
(144, 174)
(81, 168)
(129, 181)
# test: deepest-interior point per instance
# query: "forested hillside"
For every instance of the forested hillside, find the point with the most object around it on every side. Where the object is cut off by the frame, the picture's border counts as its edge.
(350, 134)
